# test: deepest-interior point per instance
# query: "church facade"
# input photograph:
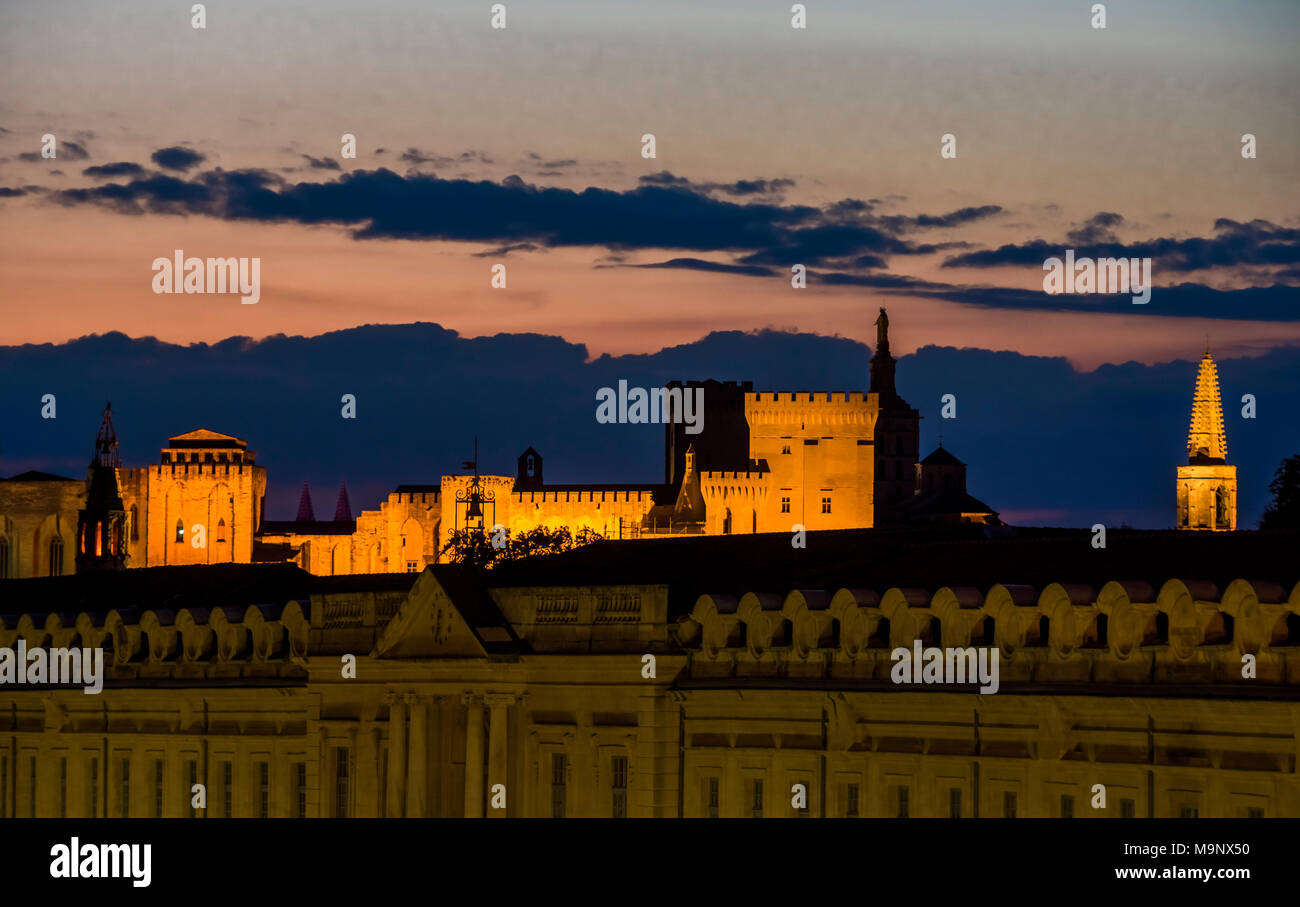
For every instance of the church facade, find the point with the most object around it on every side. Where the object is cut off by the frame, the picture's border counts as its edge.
(764, 462)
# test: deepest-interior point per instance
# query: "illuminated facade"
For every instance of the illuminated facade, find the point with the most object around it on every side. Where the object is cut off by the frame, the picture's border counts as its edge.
(764, 462)
(533, 685)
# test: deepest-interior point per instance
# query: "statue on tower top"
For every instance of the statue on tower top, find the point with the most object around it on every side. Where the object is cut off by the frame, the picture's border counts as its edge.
(882, 333)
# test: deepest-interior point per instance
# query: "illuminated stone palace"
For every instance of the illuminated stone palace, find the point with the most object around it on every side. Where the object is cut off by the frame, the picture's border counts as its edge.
(764, 462)
(709, 676)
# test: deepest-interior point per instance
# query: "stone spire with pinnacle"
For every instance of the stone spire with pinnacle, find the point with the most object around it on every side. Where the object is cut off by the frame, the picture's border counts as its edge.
(106, 442)
(343, 508)
(306, 513)
(1206, 442)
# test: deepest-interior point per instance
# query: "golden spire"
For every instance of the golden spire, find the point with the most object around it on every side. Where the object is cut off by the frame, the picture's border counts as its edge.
(1205, 439)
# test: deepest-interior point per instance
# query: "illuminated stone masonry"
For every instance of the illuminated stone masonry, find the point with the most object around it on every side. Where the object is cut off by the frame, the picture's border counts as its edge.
(607, 682)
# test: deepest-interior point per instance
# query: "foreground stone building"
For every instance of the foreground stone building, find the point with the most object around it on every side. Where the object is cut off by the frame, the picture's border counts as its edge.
(687, 677)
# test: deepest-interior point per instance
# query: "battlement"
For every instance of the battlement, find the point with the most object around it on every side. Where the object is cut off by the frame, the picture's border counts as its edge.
(803, 398)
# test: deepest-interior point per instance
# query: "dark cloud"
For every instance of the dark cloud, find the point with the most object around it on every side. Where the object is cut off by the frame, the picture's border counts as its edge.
(698, 264)
(6, 192)
(419, 158)
(322, 163)
(120, 168)
(64, 151)
(958, 218)
(1096, 229)
(177, 158)
(501, 251)
(1255, 243)
(738, 188)
(844, 240)
(1187, 300)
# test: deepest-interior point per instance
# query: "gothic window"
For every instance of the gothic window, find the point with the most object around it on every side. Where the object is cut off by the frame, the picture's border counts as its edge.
(180, 531)
(530, 467)
(56, 556)
(135, 524)
(221, 530)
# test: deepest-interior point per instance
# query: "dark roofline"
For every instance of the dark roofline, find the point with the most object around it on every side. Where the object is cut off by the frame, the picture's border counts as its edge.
(33, 475)
(308, 527)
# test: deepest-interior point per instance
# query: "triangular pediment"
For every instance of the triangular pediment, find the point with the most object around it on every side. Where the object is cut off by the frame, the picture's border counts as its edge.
(205, 435)
(429, 625)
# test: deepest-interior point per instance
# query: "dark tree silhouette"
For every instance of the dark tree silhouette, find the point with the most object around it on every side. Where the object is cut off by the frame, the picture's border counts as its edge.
(1284, 512)
(475, 548)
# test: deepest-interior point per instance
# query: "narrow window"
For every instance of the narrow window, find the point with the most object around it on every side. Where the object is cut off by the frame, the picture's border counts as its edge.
(124, 788)
(191, 773)
(851, 805)
(1009, 805)
(92, 787)
(1188, 811)
(63, 787)
(619, 773)
(158, 778)
(904, 801)
(1255, 812)
(221, 529)
(1127, 809)
(756, 798)
(826, 505)
(227, 790)
(56, 556)
(954, 803)
(135, 524)
(4, 558)
(713, 798)
(1067, 807)
(263, 790)
(4, 786)
(31, 787)
(340, 782)
(785, 505)
(557, 785)
(300, 785)
(180, 531)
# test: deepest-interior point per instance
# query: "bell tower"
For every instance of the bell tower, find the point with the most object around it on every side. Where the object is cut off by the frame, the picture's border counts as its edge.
(1207, 485)
(896, 438)
(101, 524)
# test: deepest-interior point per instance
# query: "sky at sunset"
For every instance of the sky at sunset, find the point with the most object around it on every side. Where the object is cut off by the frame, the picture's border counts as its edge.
(774, 147)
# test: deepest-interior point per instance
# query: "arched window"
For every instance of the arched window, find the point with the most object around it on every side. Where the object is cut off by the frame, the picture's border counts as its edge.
(135, 524)
(221, 530)
(56, 556)
(180, 530)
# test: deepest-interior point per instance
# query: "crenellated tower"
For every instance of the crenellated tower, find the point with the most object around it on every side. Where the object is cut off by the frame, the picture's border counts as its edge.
(1207, 485)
